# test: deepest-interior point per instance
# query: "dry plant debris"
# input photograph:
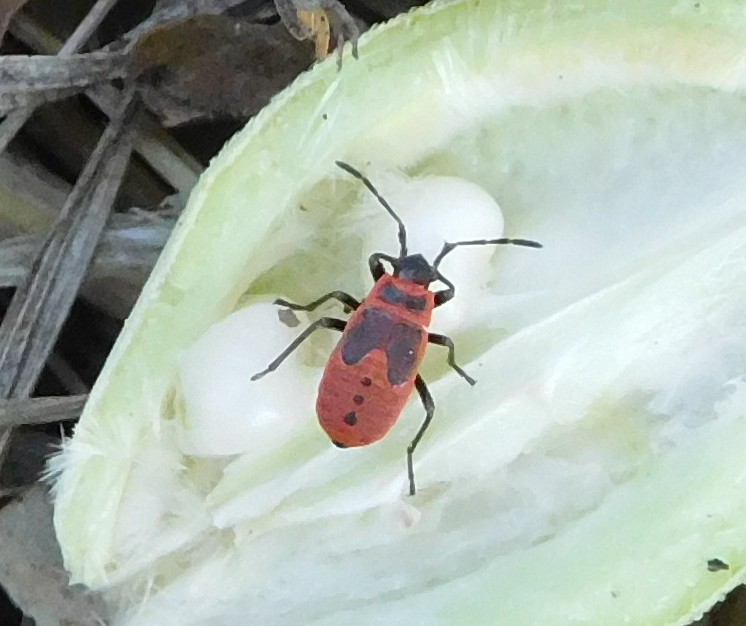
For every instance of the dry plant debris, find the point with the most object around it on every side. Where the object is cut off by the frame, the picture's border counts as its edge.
(33, 81)
(41, 410)
(196, 68)
(8, 9)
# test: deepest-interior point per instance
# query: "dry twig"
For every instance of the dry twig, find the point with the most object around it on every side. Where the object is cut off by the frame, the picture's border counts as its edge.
(30, 81)
(16, 119)
(129, 244)
(41, 304)
(41, 410)
(160, 151)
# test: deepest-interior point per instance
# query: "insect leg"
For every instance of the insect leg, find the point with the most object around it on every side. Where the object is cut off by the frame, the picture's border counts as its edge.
(376, 267)
(442, 340)
(429, 404)
(443, 296)
(344, 298)
(324, 322)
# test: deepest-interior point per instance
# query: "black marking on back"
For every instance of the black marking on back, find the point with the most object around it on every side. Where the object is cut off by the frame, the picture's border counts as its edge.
(393, 295)
(372, 332)
(350, 419)
(339, 445)
(402, 352)
(358, 399)
(380, 330)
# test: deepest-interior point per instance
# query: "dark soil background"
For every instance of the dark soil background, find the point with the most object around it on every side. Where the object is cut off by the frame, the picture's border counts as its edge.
(99, 148)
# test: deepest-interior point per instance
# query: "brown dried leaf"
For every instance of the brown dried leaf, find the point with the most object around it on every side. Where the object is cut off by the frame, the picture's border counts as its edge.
(215, 66)
(8, 9)
(176, 11)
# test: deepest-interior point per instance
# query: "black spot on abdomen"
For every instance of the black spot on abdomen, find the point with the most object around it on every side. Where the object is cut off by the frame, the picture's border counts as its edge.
(350, 419)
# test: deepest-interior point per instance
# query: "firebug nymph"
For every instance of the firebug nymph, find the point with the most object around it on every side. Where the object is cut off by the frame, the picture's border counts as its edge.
(374, 367)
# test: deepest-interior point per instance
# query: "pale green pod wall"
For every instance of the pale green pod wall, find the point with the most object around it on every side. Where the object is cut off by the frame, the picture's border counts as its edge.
(597, 466)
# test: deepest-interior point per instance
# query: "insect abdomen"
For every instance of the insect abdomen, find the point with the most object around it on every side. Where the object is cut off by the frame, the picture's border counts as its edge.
(369, 377)
(355, 406)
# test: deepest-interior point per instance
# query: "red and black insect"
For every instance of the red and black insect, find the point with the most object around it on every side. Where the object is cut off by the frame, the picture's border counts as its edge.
(374, 367)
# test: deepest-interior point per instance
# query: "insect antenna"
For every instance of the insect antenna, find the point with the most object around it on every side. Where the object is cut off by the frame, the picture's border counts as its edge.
(402, 231)
(448, 247)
